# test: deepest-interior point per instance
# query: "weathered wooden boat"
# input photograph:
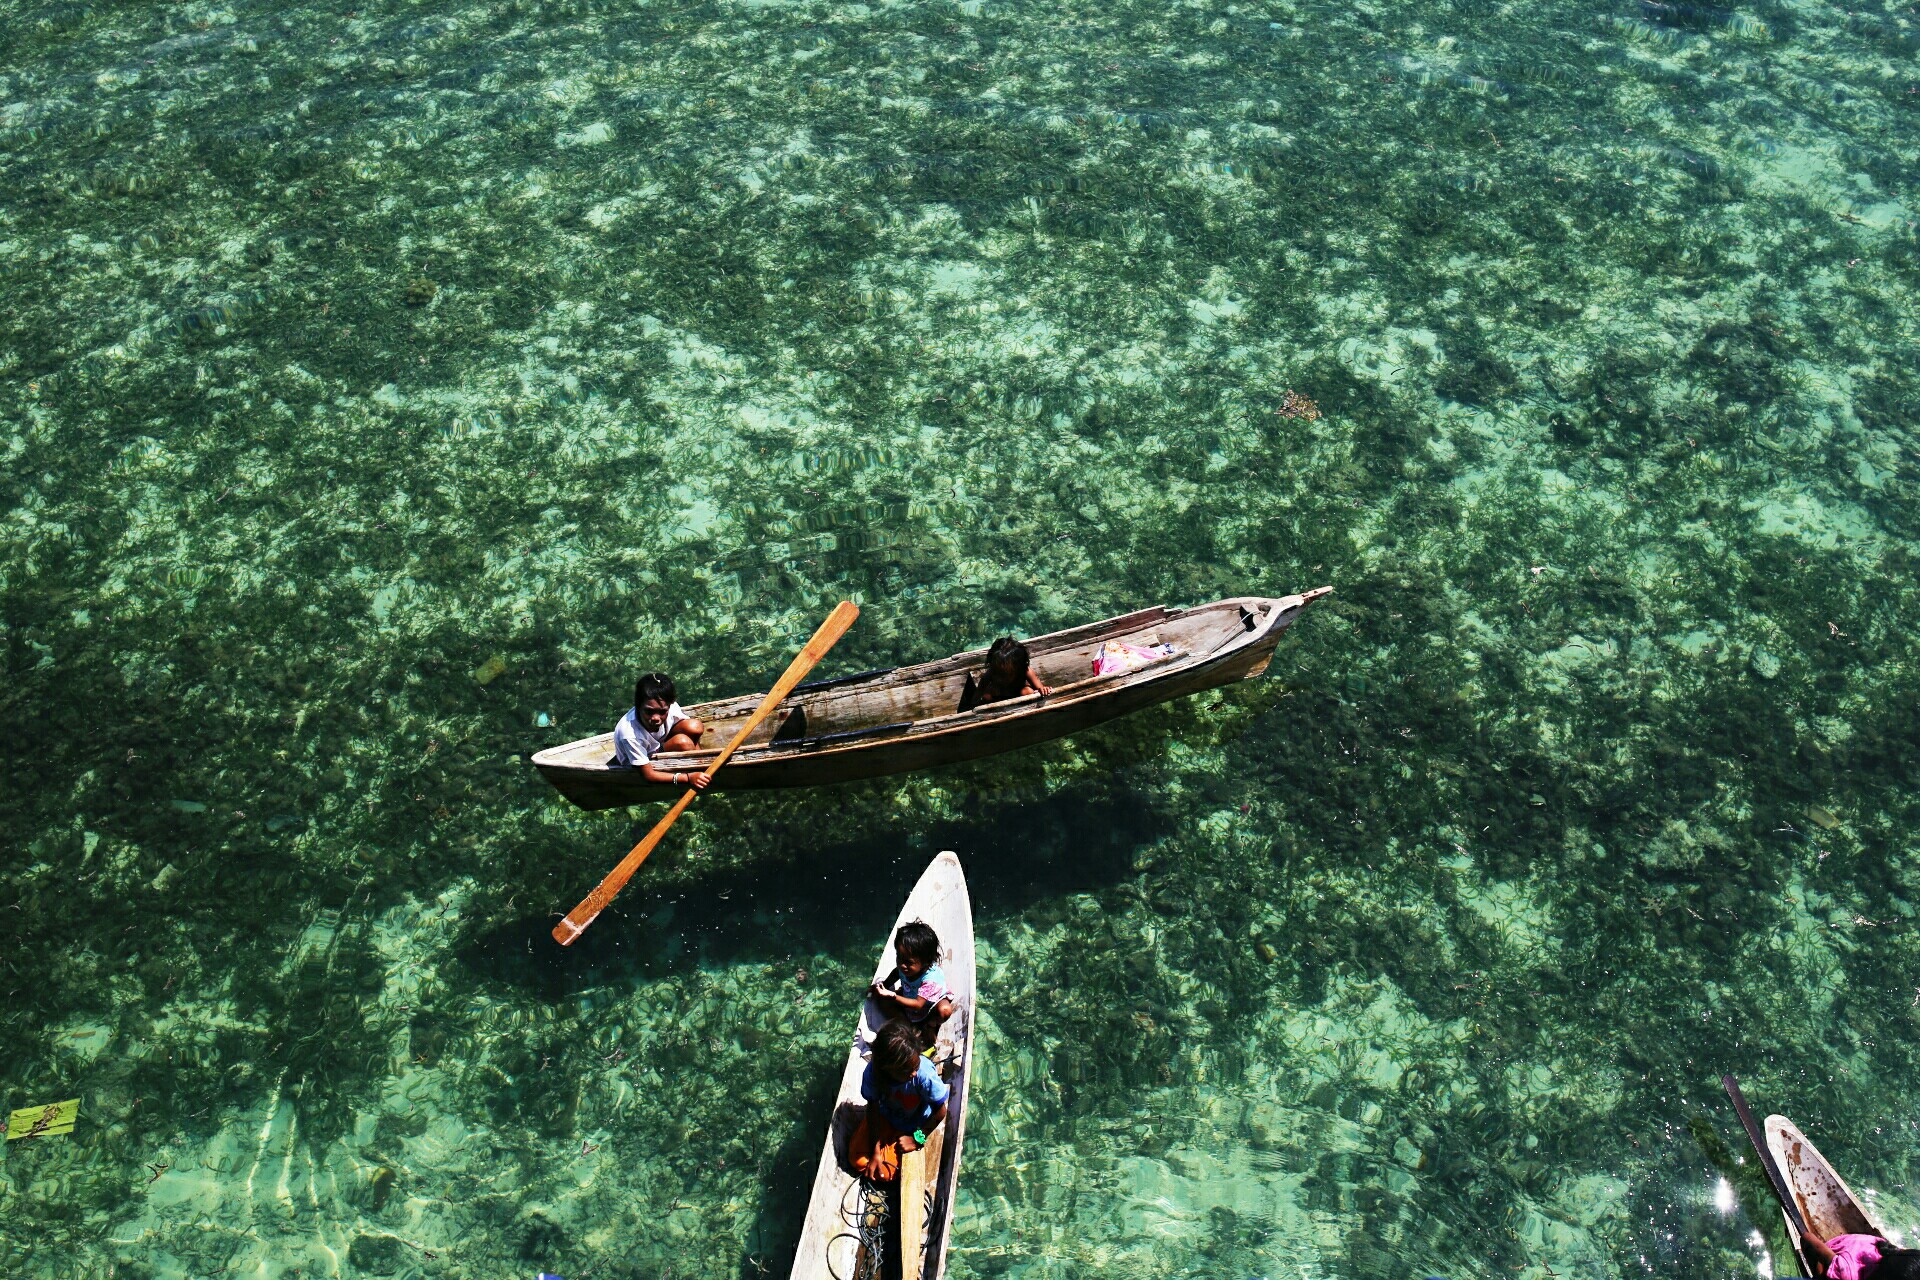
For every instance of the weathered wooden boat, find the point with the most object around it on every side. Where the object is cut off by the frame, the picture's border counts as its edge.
(907, 718)
(855, 1230)
(1826, 1202)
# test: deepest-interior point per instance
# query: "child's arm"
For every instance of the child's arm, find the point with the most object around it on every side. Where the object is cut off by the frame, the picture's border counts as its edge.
(1817, 1249)
(674, 777)
(933, 1122)
(1034, 683)
(911, 1003)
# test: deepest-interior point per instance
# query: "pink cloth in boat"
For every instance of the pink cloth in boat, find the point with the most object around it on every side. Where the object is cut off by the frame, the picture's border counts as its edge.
(1854, 1257)
(1117, 655)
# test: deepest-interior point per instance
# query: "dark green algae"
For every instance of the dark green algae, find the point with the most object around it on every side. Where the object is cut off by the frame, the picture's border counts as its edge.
(1424, 954)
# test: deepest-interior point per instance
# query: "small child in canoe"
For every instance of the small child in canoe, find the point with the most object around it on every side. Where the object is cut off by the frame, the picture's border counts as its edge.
(1009, 674)
(1862, 1257)
(657, 724)
(906, 1100)
(916, 990)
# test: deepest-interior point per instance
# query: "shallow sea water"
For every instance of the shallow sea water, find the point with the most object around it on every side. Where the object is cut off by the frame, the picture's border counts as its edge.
(354, 352)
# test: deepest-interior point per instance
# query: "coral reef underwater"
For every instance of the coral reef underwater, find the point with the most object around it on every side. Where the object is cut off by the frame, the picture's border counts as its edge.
(383, 384)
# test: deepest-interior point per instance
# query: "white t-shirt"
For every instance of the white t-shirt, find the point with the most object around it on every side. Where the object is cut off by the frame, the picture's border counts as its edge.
(634, 743)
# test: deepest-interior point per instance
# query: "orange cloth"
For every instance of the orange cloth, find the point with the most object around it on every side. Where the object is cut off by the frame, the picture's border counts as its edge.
(874, 1131)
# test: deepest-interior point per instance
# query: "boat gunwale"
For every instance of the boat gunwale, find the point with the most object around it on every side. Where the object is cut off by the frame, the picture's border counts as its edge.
(947, 1177)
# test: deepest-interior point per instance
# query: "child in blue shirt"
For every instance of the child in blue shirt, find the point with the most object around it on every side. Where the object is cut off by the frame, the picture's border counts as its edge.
(916, 989)
(906, 1100)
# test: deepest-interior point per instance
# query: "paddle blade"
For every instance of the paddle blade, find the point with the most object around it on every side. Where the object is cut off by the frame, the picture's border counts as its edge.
(608, 889)
(1789, 1204)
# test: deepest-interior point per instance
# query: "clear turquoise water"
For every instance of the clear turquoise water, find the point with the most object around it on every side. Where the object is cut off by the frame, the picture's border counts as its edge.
(347, 348)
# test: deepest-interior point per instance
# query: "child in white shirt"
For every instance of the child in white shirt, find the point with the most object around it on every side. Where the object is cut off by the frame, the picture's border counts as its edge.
(657, 724)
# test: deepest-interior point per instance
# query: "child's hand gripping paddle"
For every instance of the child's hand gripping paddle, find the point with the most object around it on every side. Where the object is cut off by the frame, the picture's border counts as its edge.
(581, 916)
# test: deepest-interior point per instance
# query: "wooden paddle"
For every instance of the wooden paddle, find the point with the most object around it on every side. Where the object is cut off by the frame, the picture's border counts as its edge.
(1767, 1162)
(581, 916)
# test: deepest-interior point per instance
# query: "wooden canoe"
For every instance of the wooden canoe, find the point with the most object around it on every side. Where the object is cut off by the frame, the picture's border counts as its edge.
(907, 718)
(1825, 1200)
(922, 1204)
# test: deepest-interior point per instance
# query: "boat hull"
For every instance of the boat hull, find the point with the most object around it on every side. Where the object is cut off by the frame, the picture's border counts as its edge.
(914, 740)
(1825, 1200)
(827, 1249)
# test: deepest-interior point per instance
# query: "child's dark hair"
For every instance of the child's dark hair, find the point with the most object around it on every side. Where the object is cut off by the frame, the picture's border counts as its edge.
(1008, 655)
(652, 687)
(896, 1049)
(1896, 1264)
(916, 940)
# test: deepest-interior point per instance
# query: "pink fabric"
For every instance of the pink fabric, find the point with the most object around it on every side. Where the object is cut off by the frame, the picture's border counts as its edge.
(1116, 655)
(1853, 1257)
(932, 988)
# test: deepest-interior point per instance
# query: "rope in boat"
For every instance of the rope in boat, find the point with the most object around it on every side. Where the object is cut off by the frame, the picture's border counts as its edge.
(868, 1220)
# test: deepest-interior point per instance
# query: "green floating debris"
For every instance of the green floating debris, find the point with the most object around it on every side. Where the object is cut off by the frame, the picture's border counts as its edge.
(490, 670)
(43, 1122)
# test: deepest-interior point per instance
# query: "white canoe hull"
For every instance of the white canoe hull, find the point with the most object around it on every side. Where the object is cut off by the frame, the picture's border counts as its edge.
(829, 1246)
(1826, 1201)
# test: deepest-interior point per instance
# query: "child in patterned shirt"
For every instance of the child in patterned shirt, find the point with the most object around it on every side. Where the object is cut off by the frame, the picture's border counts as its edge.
(916, 989)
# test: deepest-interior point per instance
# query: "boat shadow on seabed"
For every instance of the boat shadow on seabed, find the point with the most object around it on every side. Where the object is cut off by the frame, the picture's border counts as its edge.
(725, 920)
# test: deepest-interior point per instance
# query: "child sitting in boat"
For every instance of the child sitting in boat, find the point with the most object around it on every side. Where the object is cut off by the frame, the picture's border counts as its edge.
(906, 1100)
(657, 724)
(1009, 674)
(1862, 1257)
(916, 990)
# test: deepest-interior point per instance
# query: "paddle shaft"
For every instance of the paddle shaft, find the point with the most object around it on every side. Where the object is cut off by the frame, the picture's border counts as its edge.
(603, 893)
(1767, 1162)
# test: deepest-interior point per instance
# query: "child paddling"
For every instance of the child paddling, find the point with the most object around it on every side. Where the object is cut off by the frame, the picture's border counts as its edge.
(655, 725)
(1861, 1257)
